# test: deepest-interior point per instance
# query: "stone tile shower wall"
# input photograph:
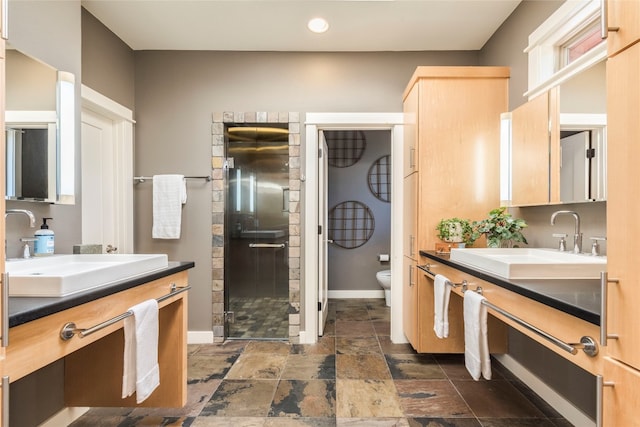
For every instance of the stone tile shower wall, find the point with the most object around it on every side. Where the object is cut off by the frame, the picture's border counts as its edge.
(217, 217)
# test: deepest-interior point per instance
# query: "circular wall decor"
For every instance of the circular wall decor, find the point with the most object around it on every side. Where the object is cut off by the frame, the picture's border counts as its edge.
(379, 178)
(345, 147)
(351, 224)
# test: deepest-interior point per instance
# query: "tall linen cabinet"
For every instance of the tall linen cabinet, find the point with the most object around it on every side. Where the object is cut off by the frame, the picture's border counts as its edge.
(621, 373)
(451, 169)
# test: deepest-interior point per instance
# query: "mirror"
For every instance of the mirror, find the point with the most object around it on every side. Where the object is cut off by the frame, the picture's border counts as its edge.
(40, 131)
(583, 144)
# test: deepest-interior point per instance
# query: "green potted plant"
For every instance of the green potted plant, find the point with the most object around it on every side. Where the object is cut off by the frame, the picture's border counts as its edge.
(455, 230)
(501, 229)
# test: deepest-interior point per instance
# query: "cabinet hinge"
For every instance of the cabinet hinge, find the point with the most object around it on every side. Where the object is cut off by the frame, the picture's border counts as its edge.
(319, 305)
(319, 229)
(591, 153)
(319, 153)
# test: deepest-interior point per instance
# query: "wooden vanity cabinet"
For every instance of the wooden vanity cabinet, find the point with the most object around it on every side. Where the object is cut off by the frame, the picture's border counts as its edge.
(456, 114)
(535, 151)
(93, 364)
(622, 367)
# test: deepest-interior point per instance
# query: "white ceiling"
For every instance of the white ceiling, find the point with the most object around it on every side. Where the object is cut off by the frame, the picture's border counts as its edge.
(280, 25)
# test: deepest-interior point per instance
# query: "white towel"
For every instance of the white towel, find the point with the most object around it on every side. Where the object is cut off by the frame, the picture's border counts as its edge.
(141, 372)
(169, 194)
(476, 345)
(441, 294)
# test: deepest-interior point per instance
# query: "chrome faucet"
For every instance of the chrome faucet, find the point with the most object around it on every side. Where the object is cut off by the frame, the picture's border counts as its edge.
(32, 218)
(32, 221)
(577, 237)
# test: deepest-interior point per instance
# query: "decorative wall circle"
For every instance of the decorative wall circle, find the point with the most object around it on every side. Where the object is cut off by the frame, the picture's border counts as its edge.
(379, 178)
(351, 224)
(345, 147)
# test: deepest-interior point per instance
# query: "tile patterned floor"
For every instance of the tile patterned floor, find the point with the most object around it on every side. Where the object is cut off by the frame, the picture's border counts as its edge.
(353, 377)
(264, 317)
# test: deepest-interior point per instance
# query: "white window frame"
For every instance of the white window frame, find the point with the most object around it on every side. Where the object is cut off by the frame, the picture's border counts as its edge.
(570, 18)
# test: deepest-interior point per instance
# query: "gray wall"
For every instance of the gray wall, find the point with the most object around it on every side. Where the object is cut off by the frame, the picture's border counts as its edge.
(355, 269)
(506, 46)
(177, 91)
(107, 62)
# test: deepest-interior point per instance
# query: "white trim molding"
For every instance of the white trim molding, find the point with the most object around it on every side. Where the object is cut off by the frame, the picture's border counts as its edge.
(314, 123)
(571, 17)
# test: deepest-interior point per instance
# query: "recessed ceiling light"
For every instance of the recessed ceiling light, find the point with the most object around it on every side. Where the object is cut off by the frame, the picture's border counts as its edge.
(318, 25)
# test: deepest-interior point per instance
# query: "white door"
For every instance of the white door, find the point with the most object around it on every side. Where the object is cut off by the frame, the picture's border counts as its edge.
(323, 239)
(98, 221)
(107, 172)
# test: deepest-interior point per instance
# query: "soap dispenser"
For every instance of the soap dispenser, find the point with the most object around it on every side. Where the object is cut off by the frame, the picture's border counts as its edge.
(44, 243)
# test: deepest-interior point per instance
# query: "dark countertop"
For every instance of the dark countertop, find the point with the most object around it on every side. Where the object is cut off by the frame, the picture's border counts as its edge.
(27, 309)
(577, 297)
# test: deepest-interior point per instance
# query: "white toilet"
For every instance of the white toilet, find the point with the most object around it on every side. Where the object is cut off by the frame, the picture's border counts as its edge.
(384, 278)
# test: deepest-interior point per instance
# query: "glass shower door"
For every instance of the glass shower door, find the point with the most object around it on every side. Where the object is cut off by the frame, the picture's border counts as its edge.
(257, 234)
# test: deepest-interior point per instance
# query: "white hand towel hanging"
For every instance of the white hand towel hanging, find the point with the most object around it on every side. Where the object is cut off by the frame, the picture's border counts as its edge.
(141, 372)
(441, 294)
(476, 344)
(169, 194)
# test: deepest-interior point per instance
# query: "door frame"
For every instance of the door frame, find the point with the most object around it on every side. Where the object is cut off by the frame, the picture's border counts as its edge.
(122, 118)
(314, 123)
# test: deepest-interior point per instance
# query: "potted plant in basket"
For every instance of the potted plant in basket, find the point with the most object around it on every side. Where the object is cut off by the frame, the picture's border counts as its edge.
(456, 230)
(501, 229)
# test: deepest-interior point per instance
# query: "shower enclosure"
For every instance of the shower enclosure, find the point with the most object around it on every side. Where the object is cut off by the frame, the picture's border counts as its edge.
(257, 231)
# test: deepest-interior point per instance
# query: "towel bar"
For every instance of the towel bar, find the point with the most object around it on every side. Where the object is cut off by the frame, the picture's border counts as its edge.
(69, 329)
(586, 344)
(139, 179)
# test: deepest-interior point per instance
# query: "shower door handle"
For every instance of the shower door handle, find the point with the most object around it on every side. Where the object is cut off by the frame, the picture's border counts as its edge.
(267, 245)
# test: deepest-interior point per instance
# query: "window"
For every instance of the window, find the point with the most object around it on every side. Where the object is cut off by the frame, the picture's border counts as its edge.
(580, 44)
(567, 43)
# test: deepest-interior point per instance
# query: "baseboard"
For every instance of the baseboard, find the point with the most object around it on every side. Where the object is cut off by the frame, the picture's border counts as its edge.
(200, 337)
(356, 294)
(64, 417)
(559, 403)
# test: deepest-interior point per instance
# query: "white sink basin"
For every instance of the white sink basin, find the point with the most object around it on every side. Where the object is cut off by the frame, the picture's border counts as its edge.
(62, 275)
(525, 263)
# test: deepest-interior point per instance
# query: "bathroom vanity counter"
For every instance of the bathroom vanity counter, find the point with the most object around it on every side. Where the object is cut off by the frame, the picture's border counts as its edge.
(557, 313)
(27, 309)
(93, 361)
(577, 297)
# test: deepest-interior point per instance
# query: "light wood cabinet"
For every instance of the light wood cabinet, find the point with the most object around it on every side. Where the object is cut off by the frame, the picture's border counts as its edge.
(410, 301)
(410, 216)
(457, 111)
(535, 151)
(410, 150)
(621, 400)
(625, 16)
(623, 205)
(623, 210)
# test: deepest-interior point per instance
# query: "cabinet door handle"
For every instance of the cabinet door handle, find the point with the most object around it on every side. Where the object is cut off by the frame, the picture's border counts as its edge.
(604, 20)
(4, 301)
(411, 241)
(600, 385)
(412, 157)
(410, 275)
(5, 401)
(604, 281)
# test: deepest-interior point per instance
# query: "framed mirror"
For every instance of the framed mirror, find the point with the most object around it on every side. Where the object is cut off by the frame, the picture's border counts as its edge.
(583, 137)
(40, 131)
